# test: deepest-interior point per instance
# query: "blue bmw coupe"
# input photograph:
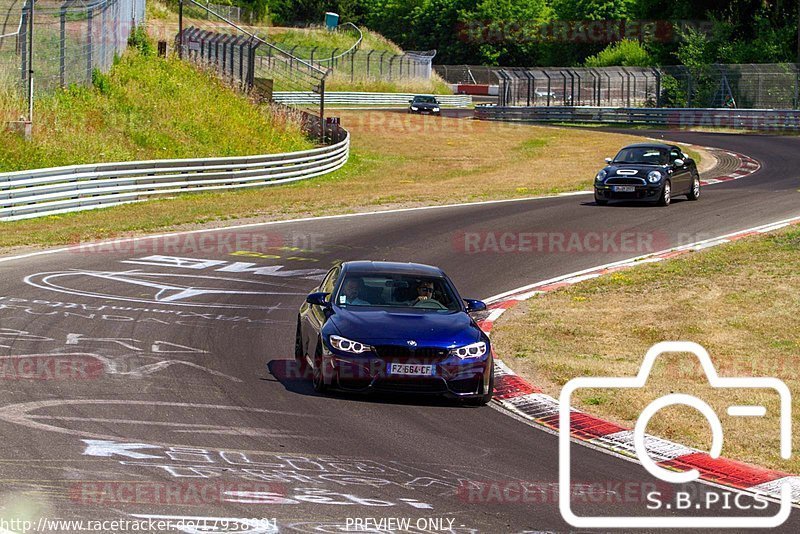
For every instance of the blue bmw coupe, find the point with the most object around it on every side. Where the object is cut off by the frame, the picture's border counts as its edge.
(399, 327)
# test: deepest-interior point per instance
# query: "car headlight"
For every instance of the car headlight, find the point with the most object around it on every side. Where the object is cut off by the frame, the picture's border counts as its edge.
(601, 176)
(654, 176)
(414, 108)
(436, 110)
(476, 350)
(348, 345)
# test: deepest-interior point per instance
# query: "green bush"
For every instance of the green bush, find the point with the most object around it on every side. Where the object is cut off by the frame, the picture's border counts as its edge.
(625, 53)
(102, 82)
(139, 40)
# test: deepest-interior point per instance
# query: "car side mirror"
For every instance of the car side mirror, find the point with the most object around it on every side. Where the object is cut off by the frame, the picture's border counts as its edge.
(475, 305)
(609, 160)
(318, 299)
(410, 101)
(679, 162)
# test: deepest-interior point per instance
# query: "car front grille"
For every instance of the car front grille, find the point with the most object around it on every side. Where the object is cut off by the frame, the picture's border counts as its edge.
(402, 353)
(625, 181)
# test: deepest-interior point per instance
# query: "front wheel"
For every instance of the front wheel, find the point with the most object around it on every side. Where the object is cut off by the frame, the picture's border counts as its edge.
(318, 375)
(299, 353)
(694, 193)
(666, 195)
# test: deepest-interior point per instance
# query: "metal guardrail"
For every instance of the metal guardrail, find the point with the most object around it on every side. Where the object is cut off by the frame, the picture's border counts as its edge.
(364, 99)
(751, 119)
(35, 193)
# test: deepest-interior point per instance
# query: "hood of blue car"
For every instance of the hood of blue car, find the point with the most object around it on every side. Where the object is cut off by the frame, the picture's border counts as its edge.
(379, 326)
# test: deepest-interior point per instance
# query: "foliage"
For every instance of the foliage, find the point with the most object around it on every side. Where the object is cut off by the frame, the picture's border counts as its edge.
(625, 53)
(504, 32)
(146, 107)
(141, 41)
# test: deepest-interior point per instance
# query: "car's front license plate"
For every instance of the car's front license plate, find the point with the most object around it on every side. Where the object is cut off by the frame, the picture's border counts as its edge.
(411, 369)
(624, 188)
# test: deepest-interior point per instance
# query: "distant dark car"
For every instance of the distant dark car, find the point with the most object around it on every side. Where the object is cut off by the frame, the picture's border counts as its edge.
(398, 327)
(649, 172)
(424, 105)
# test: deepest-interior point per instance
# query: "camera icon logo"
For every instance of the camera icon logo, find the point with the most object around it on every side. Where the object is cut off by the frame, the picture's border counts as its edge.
(674, 477)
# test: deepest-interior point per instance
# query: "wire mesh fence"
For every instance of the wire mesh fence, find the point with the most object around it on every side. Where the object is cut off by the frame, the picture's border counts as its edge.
(59, 43)
(467, 74)
(249, 62)
(751, 86)
(369, 65)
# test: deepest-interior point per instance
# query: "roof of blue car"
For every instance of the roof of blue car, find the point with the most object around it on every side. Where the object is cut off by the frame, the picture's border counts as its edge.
(392, 267)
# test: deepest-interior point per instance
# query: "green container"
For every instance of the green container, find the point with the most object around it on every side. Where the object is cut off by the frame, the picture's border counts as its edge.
(331, 20)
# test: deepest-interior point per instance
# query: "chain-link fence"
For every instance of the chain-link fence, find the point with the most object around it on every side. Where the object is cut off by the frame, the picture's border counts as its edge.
(61, 42)
(369, 65)
(767, 86)
(246, 60)
(467, 74)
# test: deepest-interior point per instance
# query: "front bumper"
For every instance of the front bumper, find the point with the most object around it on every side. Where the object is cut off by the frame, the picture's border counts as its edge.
(645, 193)
(366, 373)
(425, 111)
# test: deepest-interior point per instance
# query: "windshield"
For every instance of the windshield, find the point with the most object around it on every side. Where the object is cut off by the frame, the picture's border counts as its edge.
(397, 291)
(643, 155)
(424, 100)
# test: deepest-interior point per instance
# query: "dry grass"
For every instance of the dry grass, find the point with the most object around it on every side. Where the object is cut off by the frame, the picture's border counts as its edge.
(398, 160)
(740, 301)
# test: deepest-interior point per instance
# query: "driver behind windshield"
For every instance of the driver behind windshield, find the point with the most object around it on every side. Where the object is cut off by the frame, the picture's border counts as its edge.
(352, 290)
(424, 292)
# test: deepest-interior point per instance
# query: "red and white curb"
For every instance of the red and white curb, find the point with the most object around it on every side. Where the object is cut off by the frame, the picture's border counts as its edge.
(527, 401)
(746, 167)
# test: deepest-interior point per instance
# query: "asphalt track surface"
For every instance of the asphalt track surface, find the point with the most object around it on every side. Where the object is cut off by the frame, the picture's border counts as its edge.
(175, 391)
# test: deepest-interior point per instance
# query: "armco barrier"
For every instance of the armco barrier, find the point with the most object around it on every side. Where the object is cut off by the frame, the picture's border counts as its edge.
(35, 193)
(364, 99)
(752, 119)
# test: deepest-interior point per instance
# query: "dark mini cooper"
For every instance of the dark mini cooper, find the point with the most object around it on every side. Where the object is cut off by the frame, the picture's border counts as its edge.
(424, 104)
(649, 172)
(398, 327)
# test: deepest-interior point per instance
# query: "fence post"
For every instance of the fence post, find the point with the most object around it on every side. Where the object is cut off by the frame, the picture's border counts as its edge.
(322, 109)
(352, 66)
(369, 55)
(103, 36)
(796, 88)
(23, 49)
(30, 64)
(658, 87)
(62, 48)
(89, 44)
(180, 29)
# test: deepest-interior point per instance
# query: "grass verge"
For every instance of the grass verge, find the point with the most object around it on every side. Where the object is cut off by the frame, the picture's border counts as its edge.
(398, 160)
(147, 108)
(740, 301)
